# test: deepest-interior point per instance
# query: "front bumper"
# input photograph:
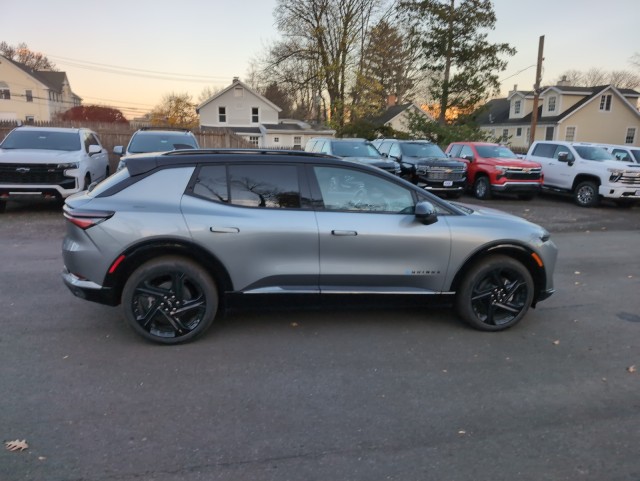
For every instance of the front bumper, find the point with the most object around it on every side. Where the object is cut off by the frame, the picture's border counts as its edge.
(619, 192)
(518, 187)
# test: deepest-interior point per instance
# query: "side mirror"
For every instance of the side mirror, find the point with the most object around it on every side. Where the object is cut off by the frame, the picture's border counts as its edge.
(565, 157)
(94, 149)
(467, 157)
(118, 149)
(425, 212)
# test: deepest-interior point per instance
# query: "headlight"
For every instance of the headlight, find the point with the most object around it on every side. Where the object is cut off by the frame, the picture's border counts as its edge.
(68, 165)
(615, 174)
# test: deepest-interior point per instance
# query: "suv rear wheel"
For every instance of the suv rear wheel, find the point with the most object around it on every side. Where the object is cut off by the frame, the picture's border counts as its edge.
(495, 294)
(170, 300)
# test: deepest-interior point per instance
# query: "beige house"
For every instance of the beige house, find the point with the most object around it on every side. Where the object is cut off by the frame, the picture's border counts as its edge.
(603, 114)
(396, 116)
(28, 95)
(248, 114)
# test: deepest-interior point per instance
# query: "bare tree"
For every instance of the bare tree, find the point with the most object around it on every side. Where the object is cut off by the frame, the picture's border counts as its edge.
(327, 34)
(22, 54)
(593, 77)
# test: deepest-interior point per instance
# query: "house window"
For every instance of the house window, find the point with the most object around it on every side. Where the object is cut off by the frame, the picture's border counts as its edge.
(255, 115)
(238, 92)
(222, 114)
(29, 95)
(631, 135)
(253, 140)
(570, 134)
(505, 135)
(551, 105)
(5, 94)
(276, 140)
(297, 142)
(605, 103)
(549, 133)
(519, 132)
(516, 106)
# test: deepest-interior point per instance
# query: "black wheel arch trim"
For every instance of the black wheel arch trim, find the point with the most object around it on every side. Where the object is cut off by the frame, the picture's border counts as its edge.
(515, 251)
(138, 254)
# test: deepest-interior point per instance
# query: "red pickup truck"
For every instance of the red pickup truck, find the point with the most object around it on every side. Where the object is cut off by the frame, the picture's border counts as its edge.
(493, 168)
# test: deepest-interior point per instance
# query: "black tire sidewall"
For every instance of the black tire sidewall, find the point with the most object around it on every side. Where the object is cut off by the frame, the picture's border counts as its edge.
(477, 272)
(162, 265)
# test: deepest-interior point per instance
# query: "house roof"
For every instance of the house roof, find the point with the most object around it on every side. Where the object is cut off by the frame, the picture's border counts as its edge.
(394, 111)
(53, 80)
(496, 111)
(236, 82)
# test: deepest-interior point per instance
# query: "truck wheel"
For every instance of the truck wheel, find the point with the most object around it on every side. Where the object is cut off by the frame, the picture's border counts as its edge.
(482, 188)
(586, 194)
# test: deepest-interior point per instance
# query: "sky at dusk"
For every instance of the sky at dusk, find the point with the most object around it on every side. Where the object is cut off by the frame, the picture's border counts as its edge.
(130, 54)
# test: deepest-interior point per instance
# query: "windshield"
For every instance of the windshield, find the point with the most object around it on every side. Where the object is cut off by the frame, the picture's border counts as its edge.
(593, 153)
(42, 140)
(155, 142)
(354, 149)
(497, 151)
(422, 150)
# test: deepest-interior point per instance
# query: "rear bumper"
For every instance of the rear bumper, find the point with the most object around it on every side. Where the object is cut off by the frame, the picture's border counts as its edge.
(89, 290)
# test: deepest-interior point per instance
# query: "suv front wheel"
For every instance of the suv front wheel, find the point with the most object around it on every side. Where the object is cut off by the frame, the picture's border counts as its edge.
(495, 294)
(170, 300)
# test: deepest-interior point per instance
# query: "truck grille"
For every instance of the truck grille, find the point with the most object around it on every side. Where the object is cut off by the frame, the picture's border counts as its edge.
(523, 174)
(441, 173)
(32, 174)
(630, 178)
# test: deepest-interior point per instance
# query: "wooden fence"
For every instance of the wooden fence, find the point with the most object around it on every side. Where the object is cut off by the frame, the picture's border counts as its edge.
(112, 134)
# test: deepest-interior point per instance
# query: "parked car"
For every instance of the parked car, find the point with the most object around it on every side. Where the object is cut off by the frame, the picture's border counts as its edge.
(151, 139)
(49, 162)
(493, 168)
(586, 171)
(173, 235)
(624, 153)
(356, 150)
(425, 164)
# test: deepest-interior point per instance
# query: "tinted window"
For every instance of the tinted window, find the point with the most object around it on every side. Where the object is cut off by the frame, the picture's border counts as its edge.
(384, 147)
(621, 155)
(562, 149)
(454, 151)
(157, 142)
(497, 151)
(422, 150)
(42, 140)
(345, 189)
(354, 149)
(212, 183)
(545, 150)
(273, 186)
(466, 152)
(593, 153)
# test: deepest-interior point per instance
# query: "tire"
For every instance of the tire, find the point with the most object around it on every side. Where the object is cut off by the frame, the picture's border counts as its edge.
(482, 188)
(495, 293)
(586, 194)
(170, 300)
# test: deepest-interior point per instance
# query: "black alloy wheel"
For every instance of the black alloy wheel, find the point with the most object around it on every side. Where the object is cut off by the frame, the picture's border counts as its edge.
(495, 294)
(170, 300)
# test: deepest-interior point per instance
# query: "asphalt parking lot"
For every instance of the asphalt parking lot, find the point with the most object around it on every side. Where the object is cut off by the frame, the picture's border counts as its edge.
(352, 392)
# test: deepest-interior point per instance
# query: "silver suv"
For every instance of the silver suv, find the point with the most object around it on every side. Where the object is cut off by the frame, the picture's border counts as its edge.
(155, 139)
(173, 236)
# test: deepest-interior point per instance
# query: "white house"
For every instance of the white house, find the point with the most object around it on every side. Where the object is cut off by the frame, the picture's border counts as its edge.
(248, 114)
(29, 95)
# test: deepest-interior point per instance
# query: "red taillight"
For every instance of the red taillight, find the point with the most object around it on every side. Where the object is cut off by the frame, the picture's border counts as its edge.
(86, 218)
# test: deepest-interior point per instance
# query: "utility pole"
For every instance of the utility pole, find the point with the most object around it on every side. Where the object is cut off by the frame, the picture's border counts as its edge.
(536, 91)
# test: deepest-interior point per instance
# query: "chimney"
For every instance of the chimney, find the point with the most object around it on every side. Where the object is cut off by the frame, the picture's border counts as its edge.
(392, 99)
(563, 82)
(236, 79)
(515, 89)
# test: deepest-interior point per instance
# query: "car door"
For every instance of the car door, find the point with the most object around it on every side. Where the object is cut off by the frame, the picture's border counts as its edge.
(546, 155)
(258, 222)
(370, 240)
(97, 162)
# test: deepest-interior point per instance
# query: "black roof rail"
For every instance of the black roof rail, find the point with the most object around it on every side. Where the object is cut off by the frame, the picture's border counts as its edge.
(190, 152)
(178, 129)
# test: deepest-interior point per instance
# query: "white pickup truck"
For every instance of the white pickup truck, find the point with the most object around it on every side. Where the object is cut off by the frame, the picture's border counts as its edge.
(49, 162)
(586, 171)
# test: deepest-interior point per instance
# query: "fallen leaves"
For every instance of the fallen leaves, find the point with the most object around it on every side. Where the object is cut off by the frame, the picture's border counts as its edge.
(16, 445)
(632, 369)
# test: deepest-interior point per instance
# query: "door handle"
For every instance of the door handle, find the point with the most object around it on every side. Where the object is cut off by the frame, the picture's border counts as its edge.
(224, 230)
(344, 232)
